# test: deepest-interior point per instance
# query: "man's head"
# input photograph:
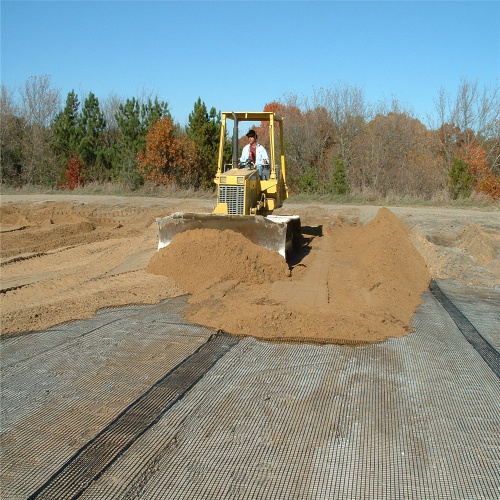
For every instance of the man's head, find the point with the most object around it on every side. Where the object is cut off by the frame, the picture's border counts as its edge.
(252, 136)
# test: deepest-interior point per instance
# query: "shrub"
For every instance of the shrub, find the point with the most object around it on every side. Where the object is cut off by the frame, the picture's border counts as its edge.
(461, 181)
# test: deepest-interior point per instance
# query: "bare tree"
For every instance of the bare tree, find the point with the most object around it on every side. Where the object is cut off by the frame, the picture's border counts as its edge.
(464, 112)
(349, 112)
(309, 137)
(8, 104)
(40, 102)
(110, 108)
(11, 137)
(472, 115)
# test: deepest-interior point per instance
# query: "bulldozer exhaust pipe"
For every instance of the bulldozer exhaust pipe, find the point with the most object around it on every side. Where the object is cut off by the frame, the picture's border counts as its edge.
(235, 141)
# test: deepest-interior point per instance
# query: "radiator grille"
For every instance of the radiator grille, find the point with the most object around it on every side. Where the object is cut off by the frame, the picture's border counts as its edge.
(234, 196)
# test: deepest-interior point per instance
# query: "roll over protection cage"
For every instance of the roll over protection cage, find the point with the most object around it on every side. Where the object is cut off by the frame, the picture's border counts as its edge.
(244, 116)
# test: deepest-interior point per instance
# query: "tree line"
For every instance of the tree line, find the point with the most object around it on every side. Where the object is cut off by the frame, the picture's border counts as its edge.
(335, 142)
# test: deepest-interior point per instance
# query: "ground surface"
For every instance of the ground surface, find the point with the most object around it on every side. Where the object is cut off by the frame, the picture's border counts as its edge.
(141, 402)
(65, 257)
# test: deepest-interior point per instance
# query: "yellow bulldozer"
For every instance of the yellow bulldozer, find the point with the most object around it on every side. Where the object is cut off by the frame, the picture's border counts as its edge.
(245, 199)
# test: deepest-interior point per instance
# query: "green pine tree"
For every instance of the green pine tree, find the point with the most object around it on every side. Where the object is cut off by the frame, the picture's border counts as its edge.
(309, 181)
(151, 112)
(92, 147)
(129, 124)
(65, 132)
(204, 129)
(461, 182)
(339, 183)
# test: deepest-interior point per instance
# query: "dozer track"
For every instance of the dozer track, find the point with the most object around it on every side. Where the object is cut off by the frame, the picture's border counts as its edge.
(277, 233)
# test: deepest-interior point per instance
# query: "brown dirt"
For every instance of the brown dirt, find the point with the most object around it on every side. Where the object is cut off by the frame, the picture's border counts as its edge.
(65, 258)
(364, 284)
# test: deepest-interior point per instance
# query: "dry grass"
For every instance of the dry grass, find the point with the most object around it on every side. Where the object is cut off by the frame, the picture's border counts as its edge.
(150, 190)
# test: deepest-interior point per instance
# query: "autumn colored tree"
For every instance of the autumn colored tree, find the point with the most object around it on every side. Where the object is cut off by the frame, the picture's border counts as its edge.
(74, 174)
(397, 155)
(490, 185)
(263, 129)
(474, 156)
(471, 116)
(308, 137)
(169, 156)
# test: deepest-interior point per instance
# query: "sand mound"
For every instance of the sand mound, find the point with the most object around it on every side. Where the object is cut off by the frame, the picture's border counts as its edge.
(392, 268)
(363, 283)
(45, 215)
(472, 257)
(483, 245)
(200, 258)
(49, 226)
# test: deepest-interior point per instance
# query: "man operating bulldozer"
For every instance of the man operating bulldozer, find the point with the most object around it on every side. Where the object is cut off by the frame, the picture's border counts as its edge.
(246, 203)
(257, 154)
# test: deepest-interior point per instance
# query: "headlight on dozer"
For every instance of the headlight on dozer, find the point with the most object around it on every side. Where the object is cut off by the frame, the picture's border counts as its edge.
(241, 180)
(222, 180)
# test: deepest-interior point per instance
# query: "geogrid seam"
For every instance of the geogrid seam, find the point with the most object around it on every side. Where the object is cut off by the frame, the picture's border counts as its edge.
(54, 403)
(97, 455)
(482, 346)
(481, 306)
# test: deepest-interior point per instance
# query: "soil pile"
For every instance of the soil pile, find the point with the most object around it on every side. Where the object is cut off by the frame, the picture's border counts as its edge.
(363, 284)
(201, 258)
(471, 256)
(483, 245)
(377, 277)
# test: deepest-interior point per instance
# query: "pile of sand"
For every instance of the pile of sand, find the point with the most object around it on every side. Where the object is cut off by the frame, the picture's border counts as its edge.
(471, 257)
(483, 245)
(201, 258)
(363, 284)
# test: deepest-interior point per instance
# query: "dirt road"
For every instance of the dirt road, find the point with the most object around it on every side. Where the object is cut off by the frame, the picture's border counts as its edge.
(64, 257)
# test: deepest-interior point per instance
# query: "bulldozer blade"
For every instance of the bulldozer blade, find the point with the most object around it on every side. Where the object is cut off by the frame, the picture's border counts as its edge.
(276, 233)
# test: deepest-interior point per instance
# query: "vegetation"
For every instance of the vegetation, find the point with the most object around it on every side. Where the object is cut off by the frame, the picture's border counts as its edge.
(336, 143)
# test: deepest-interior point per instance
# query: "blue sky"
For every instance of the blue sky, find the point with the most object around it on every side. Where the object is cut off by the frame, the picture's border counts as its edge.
(242, 55)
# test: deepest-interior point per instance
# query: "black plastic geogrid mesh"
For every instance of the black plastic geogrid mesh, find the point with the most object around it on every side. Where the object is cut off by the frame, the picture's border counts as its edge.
(482, 346)
(137, 403)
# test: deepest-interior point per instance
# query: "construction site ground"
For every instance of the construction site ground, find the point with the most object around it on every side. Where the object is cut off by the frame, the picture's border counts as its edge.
(126, 373)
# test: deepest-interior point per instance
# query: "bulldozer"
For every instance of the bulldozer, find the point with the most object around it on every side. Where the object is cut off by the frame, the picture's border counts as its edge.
(245, 198)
